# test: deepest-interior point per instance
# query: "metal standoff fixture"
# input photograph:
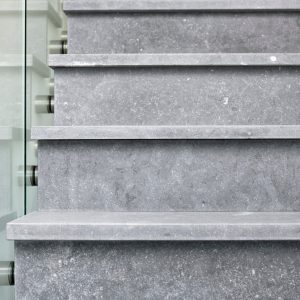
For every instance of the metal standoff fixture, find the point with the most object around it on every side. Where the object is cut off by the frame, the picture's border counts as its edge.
(51, 86)
(44, 104)
(31, 175)
(7, 269)
(59, 46)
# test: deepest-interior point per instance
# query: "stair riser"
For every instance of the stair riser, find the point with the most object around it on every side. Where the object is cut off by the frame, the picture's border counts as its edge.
(182, 175)
(85, 270)
(177, 95)
(183, 32)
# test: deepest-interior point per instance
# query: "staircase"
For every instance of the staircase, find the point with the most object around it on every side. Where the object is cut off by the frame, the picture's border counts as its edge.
(172, 171)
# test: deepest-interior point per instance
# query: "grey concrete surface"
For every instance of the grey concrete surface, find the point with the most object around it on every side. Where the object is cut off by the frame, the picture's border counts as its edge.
(184, 32)
(177, 96)
(170, 175)
(169, 5)
(178, 176)
(157, 270)
(182, 59)
(155, 226)
(165, 132)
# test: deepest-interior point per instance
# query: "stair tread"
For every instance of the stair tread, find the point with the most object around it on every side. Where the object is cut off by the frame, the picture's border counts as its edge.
(156, 226)
(182, 59)
(166, 132)
(161, 5)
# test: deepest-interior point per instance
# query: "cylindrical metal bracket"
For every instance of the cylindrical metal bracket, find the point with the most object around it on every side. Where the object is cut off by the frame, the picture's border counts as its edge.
(51, 86)
(64, 47)
(31, 175)
(64, 35)
(59, 46)
(44, 104)
(7, 270)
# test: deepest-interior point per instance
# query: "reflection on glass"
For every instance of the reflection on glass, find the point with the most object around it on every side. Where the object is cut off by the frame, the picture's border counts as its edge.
(12, 108)
(25, 82)
(45, 26)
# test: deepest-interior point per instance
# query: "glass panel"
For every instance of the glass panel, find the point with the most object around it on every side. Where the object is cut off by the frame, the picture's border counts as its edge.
(45, 28)
(12, 131)
(22, 103)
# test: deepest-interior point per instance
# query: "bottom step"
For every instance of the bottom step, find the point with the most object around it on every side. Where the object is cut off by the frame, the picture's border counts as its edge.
(127, 268)
(155, 226)
(88, 270)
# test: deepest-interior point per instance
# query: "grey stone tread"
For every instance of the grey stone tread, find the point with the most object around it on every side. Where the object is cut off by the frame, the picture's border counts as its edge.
(161, 5)
(184, 59)
(193, 226)
(166, 132)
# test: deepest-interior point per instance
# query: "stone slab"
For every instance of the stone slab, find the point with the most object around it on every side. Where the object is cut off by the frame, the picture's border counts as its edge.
(165, 132)
(157, 270)
(169, 175)
(182, 31)
(155, 226)
(175, 5)
(174, 60)
(176, 95)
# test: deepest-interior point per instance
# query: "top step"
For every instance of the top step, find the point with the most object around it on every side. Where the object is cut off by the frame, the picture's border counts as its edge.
(179, 5)
(188, 26)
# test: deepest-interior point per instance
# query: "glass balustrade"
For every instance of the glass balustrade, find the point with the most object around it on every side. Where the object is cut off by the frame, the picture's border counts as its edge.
(29, 31)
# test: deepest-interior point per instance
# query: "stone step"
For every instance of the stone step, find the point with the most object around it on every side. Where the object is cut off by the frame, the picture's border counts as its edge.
(212, 132)
(168, 26)
(177, 89)
(169, 168)
(155, 226)
(178, 5)
(157, 270)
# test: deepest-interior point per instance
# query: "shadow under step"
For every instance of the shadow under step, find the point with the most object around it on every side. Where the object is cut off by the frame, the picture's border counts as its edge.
(155, 226)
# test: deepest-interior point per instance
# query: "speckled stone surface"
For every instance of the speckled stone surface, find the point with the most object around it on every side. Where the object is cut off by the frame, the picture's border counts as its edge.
(213, 132)
(183, 32)
(166, 175)
(157, 200)
(91, 225)
(178, 5)
(157, 270)
(177, 96)
(174, 59)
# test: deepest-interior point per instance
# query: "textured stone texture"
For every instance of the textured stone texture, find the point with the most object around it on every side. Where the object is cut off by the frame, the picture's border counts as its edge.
(181, 175)
(165, 132)
(172, 60)
(155, 226)
(157, 270)
(198, 179)
(177, 5)
(177, 96)
(183, 32)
